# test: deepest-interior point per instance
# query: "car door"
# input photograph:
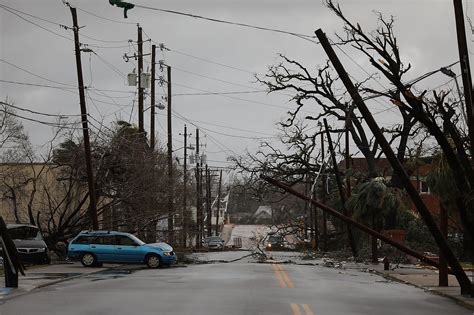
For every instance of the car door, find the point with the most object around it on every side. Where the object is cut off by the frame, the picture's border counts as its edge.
(103, 247)
(128, 249)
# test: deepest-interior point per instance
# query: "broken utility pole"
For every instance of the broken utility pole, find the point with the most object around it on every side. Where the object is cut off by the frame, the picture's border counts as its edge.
(350, 234)
(85, 127)
(464, 282)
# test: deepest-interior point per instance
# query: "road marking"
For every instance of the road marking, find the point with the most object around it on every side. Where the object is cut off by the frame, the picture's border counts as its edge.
(280, 279)
(307, 309)
(279, 268)
(288, 281)
(295, 309)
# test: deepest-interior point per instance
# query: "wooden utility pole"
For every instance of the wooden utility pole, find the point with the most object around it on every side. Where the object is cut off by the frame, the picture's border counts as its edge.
(315, 222)
(85, 127)
(323, 196)
(465, 69)
(443, 265)
(348, 156)
(140, 83)
(152, 99)
(208, 202)
(218, 202)
(170, 165)
(184, 221)
(464, 282)
(350, 234)
(198, 193)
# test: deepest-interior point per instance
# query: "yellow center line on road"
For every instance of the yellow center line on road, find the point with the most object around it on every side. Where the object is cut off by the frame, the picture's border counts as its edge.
(285, 276)
(307, 309)
(287, 279)
(295, 309)
(280, 279)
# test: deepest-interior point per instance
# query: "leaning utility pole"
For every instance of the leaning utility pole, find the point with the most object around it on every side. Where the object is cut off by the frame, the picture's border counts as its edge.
(141, 129)
(218, 202)
(85, 127)
(198, 193)
(152, 99)
(170, 164)
(184, 223)
(465, 69)
(350, 234)
(399, 171)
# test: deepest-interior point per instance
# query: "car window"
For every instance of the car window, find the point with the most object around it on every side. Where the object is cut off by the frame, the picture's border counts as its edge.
(82, 240)
(24, 233)
(125, 240)
(103, 240)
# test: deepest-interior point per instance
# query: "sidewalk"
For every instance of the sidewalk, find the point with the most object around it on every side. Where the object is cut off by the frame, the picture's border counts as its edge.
(40, 276)
(426, 279)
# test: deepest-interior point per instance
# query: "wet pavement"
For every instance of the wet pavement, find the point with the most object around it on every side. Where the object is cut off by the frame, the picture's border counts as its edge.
(230, 288)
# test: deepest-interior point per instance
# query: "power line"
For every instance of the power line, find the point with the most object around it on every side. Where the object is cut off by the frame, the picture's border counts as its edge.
(106, 19)
(210, 61)
(302, 36)
(39, 113)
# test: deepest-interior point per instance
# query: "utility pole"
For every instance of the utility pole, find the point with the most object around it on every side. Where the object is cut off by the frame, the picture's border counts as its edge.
(465, 69)
(152, 98)
(350, 234)
(140, 83)
(325, 224)
(348, 156)
(464, 282)
(184, 223)
(443, 265)
(198, 193)
(170, 164)
(208, 202)
(85, 127)
(218, 202)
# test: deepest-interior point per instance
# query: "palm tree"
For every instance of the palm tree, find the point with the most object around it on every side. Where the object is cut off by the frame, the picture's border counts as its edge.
(372, 202)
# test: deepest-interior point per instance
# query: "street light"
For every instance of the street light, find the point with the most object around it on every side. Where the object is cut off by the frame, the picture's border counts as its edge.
(451, 74)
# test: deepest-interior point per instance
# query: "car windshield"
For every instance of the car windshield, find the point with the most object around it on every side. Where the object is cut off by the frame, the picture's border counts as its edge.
(25, 233)
(137, 240)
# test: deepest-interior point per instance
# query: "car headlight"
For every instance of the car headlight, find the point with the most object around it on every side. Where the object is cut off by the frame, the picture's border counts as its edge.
(41, 250)
(269, 245)
(166, 253)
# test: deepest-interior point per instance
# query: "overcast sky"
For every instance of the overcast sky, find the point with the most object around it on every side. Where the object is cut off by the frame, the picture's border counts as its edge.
(425, 30)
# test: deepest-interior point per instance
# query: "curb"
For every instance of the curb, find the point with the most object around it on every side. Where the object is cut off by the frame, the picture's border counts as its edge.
(14, 294)
(454, 298)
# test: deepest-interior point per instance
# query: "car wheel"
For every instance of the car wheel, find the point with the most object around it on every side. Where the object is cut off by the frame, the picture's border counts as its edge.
(153, 261)
(88, 260)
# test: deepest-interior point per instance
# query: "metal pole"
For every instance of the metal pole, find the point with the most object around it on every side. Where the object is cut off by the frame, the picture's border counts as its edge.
(85, 127)
(398, 169)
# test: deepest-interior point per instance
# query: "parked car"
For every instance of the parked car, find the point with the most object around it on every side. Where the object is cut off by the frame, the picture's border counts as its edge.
(275, 242)
(29, 243)
(92, 248)
(213, 242)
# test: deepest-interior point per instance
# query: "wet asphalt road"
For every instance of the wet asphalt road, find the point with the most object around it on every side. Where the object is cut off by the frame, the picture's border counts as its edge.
(233, 288)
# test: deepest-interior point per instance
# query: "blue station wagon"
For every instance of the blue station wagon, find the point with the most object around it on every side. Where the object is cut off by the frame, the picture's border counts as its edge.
(93, 248)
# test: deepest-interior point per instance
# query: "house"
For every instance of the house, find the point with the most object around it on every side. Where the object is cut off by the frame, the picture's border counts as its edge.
(263, 214)
(417, 178)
